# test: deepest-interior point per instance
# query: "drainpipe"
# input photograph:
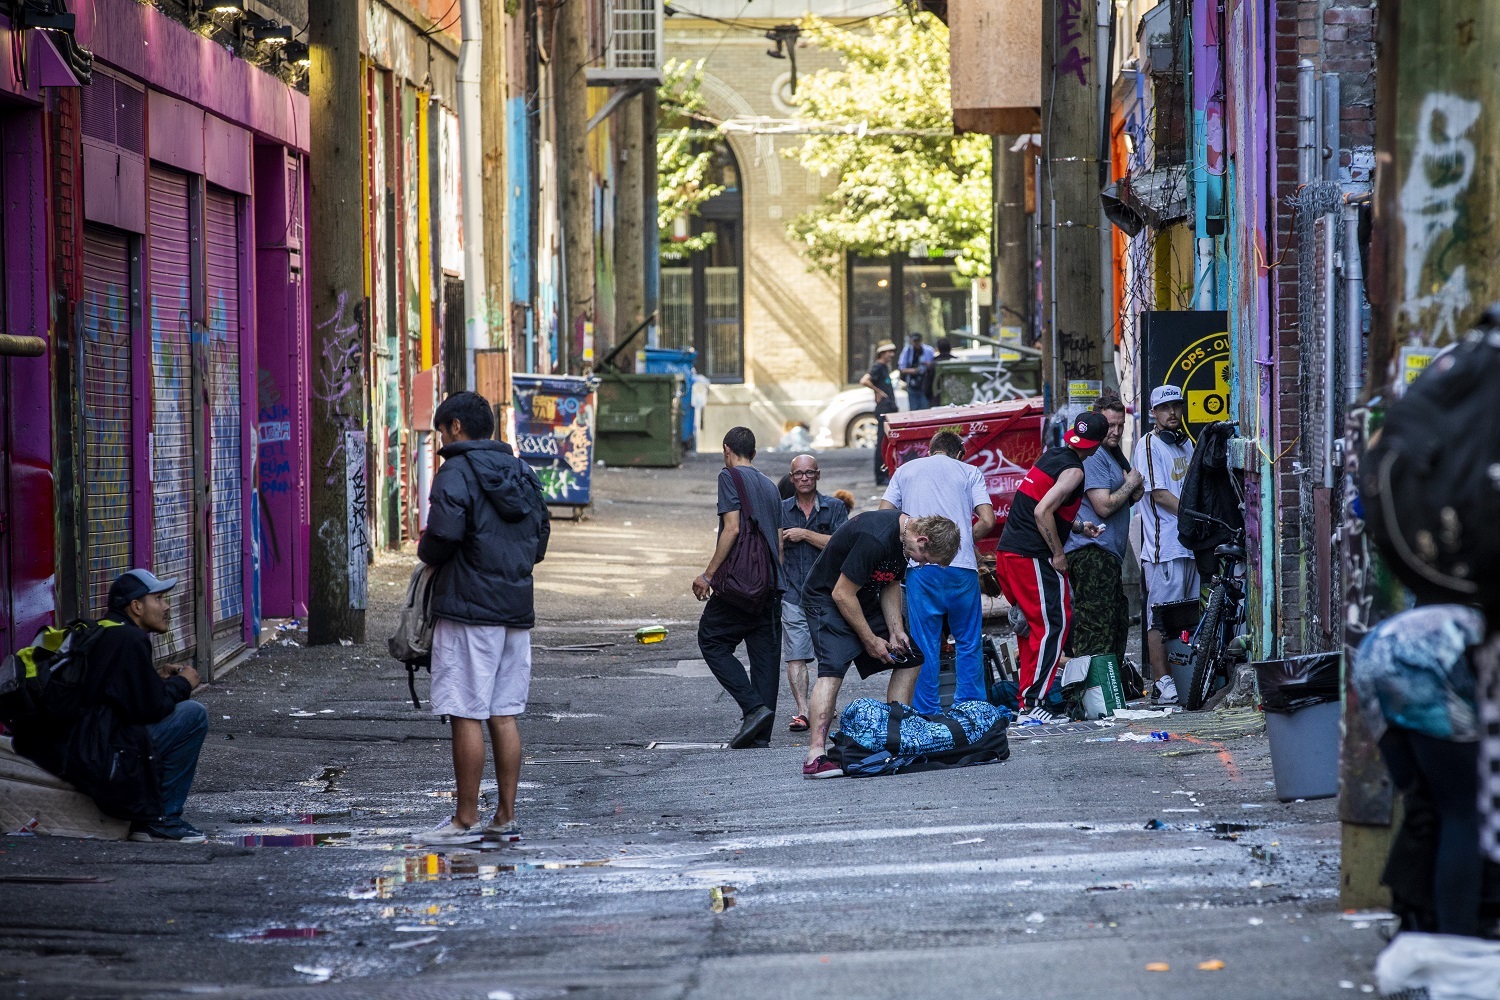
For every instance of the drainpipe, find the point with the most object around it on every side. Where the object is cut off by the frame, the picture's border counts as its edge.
(1308, 167)
(471, 169)
(1354, 294)
(1330, 351)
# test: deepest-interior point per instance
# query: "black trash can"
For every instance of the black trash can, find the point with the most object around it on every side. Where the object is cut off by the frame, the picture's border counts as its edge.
(1301, 698)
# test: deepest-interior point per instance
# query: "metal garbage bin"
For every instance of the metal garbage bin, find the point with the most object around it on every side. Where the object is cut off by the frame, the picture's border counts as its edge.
(1012, 375)
(672, 361)
(555, 434)
(640, 420)
(1304, 718)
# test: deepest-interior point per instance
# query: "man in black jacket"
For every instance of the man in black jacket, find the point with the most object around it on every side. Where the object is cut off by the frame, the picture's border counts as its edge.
(134, 748)
(487, 526)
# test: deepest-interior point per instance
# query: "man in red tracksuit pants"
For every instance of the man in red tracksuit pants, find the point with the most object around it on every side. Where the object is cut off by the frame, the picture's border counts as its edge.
(1030, 563)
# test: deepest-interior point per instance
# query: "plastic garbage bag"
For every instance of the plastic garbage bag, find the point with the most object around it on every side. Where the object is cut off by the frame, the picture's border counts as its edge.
(1449, 967)
(1287, 686)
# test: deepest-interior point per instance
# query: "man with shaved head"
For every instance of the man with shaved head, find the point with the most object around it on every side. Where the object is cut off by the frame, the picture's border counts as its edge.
(808, 520)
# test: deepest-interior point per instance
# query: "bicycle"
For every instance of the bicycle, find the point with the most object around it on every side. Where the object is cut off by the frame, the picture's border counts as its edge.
(1214, 647)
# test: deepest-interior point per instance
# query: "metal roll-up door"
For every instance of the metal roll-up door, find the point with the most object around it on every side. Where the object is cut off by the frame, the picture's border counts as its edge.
(105, 424)
(225, 473)
(170, 310)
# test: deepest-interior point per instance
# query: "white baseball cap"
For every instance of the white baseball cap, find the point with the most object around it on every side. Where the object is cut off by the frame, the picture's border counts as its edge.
(1163, 394)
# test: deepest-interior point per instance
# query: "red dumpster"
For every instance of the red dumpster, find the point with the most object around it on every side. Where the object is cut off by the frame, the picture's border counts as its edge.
(1002, 439)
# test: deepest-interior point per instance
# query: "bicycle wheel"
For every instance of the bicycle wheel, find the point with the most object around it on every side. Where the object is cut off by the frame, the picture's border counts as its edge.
(1208, 647)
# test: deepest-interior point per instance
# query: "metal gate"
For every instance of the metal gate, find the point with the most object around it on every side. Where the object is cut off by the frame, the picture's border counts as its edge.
(105, 424)
(172, 411)
(226, 467)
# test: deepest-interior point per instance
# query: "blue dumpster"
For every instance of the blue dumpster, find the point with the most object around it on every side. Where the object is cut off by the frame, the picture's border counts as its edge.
(555, 434)
(671, 361)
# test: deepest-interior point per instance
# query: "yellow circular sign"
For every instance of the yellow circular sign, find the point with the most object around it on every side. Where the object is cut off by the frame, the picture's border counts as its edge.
(1201, 371)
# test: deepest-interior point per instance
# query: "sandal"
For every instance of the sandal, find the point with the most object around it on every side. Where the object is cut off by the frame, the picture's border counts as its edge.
(798, 724)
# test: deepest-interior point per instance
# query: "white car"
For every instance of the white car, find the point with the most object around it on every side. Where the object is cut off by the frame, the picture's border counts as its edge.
(848, 421)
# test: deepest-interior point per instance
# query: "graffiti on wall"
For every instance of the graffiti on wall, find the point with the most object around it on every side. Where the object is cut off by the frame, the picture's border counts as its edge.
(1073, 24)
(555, 434)
(339, 372)
(356, 495)
(1432, 210)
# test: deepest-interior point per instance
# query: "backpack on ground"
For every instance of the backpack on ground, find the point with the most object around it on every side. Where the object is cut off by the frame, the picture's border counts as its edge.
(42, 683)
(877, 737)
(747, 577)
(412, 643)
(1429, 481)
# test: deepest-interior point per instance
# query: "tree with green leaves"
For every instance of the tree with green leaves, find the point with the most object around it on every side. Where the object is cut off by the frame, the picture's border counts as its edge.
(905, 181)
(684, 157)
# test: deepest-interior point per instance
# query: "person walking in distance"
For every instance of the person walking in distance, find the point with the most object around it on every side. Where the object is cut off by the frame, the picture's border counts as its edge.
(943, 483)
(745, 495)
(1101, 616)
(1031, 561)
(878, 381)
(1171, 573)
(915, 365)
(852, 599)
(934, 388)
(808, 520)
(487, 527)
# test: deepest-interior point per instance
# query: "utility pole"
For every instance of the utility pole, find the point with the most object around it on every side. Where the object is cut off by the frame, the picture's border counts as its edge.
(492, 99)
(630, 221)
(471, 169)
(1013, 266)
(1068, 205)
(650, 184)
(570, 89)
(339, 461)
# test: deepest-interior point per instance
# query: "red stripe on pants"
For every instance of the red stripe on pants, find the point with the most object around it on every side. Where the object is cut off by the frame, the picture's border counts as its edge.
(1044, 597)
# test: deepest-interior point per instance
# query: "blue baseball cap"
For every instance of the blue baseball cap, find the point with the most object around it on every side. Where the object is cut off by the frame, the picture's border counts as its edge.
(134, 584)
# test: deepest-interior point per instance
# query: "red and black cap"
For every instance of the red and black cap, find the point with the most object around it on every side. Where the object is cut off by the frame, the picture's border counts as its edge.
(1087, 431)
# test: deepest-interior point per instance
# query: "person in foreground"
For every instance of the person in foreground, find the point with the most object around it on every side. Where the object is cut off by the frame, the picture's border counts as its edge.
(134, 747)
(486, 528)
(852, 600)
(1030, 559)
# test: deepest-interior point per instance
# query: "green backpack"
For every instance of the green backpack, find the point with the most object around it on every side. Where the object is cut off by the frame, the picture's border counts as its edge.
(42, 682)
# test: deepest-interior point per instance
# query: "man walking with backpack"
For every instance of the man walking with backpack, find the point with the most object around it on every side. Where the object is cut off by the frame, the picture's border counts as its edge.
(742, 585)
(486, 528)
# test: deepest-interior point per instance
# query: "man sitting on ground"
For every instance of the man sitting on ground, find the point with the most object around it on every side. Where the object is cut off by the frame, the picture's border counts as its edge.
(134, 748)
(852, 600)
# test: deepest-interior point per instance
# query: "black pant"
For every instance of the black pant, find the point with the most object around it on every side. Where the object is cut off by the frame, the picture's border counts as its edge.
(1449, 772)
(720, 631)
(882, 476)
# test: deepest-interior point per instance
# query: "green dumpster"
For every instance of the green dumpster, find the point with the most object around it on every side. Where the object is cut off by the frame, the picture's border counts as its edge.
(640, 420)
(1013, 375)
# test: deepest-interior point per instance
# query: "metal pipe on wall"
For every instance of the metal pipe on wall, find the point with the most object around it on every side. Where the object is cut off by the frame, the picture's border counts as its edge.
(1307, 123)
(471, 169)
(1354, 295)
(1330, 350)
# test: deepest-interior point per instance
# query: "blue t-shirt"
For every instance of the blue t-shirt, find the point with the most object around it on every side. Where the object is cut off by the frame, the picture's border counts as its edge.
(1101, 471)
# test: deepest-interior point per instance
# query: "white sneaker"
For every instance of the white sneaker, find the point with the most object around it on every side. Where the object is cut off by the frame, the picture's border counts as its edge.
(1164, 691)
(450, 831)
(1041, 717)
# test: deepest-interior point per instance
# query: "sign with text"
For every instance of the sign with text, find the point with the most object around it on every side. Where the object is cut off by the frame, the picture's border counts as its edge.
(1190, 350)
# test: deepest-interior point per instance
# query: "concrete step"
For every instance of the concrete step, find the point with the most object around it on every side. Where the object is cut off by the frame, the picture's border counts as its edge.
(28, 792)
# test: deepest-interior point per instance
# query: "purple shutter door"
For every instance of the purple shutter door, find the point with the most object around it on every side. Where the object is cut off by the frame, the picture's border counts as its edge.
(107, 438)
(221, 240)
(172, 402)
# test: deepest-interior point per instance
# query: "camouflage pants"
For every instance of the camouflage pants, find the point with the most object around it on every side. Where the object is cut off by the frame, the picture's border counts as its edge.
(1101, 618)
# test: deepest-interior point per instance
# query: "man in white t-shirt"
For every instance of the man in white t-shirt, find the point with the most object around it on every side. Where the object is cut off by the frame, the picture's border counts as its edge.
(943, 483)
(1162, 456)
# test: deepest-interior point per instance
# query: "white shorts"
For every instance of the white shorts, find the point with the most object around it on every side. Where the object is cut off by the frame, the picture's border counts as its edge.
(1170, 581)
(479, 671)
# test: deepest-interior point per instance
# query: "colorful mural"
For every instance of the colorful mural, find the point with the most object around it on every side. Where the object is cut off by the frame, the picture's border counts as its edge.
(555, 433)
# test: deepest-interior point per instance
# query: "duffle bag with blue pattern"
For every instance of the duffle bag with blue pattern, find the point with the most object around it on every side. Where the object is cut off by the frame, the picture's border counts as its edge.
(877, 737)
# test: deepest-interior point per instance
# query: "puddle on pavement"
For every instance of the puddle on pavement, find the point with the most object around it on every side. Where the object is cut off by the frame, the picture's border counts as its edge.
(442, 868)
(670, 745)
(294, 839)
(284, 934)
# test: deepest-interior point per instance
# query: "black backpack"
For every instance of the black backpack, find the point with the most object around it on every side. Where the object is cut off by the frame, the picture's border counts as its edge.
(42, 683)
(1429, 481)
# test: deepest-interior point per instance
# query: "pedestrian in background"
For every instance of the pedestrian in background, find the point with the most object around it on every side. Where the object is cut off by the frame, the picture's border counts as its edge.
(744, 495)
(934, 385)
(808, 520)
(915, 365)
(878, 381)
(1101, 616)
(1031, 562)
(1162, 455)
(487, 527)
(943, 483)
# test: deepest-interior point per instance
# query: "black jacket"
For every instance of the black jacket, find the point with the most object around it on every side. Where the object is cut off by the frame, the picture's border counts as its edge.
(1209, 489)
(106, 753)
(487, 526)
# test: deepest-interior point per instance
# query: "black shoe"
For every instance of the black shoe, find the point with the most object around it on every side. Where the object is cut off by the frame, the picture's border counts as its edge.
(175, 830)
(757, 726)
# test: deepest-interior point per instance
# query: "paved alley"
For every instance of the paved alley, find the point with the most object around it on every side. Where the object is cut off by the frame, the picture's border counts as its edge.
(653, 871)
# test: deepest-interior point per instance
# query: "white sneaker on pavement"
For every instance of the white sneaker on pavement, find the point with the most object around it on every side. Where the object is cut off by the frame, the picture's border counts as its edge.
(1041, 717)
(450, 831)
(1164, 691)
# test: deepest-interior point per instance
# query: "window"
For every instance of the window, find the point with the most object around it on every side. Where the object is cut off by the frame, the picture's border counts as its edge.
(702, 295)
(891, 297)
